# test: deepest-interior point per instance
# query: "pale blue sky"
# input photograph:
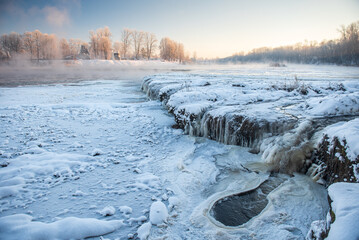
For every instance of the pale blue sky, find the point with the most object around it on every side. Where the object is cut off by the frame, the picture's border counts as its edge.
(210, 27)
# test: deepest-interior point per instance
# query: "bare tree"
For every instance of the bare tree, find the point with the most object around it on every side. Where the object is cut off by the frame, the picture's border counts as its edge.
(37, 37)
(101, 44)
(29, 44)
(150, 43)
(137, 38)
(75, 46)
(171, 50)
(5, 43)
(11, 44)
(65, 48)
(126, 42)
(15, 42)
(104, 36)
(94, 44)
(49, 47)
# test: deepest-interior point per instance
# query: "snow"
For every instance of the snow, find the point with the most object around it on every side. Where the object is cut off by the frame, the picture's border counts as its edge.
(107, 211)
(21, 226)
(52, 179)
(144, 231)
(173, 202)
(125, 210)
(195, 92)
(348, 131)
(158, 213)
(346, 209)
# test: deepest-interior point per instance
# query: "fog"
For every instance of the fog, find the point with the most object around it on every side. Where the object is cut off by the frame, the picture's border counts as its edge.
(21, 73)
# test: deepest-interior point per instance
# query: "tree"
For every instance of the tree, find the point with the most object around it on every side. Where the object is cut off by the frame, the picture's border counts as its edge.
(101, 44)
(126, 42)
(37, 37)
(94, 44)
(11, 44)
(137, 38)
(29, 43)
(65, 48)
(49, 46)
(5, 43)
(104, 36)
(171, 50)
(75, 46)
(15, 43)
(150, 43)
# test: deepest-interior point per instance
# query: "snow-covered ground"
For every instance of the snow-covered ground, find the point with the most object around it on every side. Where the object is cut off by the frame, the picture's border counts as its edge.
(94, 157)
(346, 211)
(222, 104)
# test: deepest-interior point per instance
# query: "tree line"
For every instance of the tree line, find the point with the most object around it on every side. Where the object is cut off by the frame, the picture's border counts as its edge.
(134, 44)
(342, 51)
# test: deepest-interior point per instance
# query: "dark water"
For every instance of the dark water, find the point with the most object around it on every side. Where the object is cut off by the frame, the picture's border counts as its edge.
(238, 209)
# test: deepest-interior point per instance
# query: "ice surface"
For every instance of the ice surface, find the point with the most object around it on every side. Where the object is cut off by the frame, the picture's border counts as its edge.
(50, 171)
(346, 209)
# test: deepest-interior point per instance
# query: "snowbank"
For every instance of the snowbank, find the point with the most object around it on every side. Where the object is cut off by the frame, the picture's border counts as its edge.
(336, 157)
(21, 226)
(348, 131)
(345, 206)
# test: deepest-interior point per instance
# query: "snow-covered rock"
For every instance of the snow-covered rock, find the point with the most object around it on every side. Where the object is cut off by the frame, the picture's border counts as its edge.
(144, 231)
(158, 213)
(337, 153)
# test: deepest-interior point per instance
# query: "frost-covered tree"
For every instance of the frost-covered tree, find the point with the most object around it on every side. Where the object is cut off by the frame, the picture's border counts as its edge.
(137, 37)
(94, 44)
(117, 48)
(65, 48)
(75, 46)
(150, 44)
(171, 50)
(126, 42)
(11, 43)
(101, 44)
(29, 44)
(37, 38)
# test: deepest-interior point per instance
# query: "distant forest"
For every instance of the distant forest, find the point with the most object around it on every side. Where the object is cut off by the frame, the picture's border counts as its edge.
(342, 51)
(134, 44)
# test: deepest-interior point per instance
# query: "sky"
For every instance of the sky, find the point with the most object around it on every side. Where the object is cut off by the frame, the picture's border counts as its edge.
(211, 28)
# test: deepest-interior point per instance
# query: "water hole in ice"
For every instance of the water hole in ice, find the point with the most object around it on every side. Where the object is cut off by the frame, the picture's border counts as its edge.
(237, 209)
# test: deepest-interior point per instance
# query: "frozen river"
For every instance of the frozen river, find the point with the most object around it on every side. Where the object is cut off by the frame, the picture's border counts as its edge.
(101, 150)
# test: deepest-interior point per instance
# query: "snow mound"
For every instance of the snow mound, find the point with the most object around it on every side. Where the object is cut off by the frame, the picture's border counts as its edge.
(21, 226)
(158, 213)
(107, 211)
(144, 231)
(125, 210)
(345, 206)
(350, 132)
